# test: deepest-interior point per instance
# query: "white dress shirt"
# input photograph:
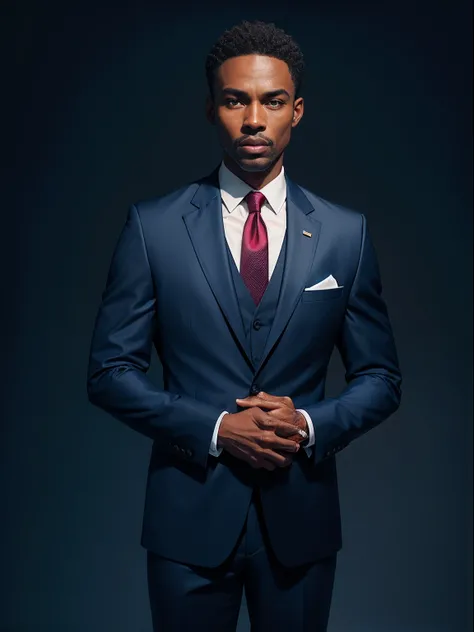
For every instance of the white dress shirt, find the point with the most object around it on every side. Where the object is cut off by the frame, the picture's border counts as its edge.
(234, 215)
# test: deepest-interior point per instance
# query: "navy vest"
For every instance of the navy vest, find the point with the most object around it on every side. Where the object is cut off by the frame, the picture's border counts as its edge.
(257, 319)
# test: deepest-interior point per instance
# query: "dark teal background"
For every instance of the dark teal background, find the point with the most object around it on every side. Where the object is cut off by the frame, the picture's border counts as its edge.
(105, 106)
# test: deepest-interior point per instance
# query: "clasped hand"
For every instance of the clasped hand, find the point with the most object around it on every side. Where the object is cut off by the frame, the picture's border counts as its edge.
(265, 433)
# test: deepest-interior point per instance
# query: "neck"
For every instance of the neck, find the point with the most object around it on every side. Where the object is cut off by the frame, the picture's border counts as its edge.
(255, 179)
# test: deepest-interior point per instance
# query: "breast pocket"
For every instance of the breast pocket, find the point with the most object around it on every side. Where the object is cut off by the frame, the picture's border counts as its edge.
(312, 296)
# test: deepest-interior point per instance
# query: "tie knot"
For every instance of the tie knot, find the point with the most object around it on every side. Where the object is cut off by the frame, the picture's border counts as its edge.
(255, 201)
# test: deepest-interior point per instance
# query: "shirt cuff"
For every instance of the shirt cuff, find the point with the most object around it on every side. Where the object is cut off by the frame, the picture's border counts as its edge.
(311, 439)
(213, 449)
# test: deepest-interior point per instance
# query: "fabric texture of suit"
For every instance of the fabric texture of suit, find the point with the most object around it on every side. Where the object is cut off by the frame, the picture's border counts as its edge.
(171, 285)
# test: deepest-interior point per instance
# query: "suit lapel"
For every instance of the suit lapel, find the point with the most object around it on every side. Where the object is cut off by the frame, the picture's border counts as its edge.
(206, 231)
(299, 257)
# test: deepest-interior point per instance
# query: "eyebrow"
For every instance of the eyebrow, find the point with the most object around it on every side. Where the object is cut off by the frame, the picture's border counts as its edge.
(242, 93)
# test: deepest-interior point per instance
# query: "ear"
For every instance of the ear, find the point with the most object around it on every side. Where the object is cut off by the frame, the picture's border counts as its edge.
(298, 111)
(210, 110)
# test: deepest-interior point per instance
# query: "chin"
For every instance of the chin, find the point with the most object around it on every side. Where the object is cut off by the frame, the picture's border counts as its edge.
(258, 163)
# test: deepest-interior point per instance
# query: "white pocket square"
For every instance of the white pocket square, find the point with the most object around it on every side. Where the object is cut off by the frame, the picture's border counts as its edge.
(328, 283)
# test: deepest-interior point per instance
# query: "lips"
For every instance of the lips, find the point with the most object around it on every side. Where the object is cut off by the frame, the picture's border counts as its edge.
(254, 149)
(254, 142)
(254, 146)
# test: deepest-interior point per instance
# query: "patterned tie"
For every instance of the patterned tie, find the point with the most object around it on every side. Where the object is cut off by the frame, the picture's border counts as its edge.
(254, 253)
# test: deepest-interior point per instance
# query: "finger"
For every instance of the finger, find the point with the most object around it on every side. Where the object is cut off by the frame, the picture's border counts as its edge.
(283, 428)
(274, 457)
(270, 442)
(252, 401)
(283, 400)
(280, 414)
(280, 443)
(288, 461)
(264, 395)
(269, 438)
(282, 422)
(245, 402)
(286, 416)
(287, 448)
(257, 462)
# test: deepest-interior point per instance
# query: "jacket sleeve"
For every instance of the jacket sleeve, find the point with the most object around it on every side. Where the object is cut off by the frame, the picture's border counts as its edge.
(120, 356)
(367, 349)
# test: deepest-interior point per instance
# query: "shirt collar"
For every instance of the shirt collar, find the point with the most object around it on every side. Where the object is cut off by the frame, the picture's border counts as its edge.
(233, 189)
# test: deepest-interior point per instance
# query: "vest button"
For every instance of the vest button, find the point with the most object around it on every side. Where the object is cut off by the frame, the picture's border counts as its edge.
(257, 324)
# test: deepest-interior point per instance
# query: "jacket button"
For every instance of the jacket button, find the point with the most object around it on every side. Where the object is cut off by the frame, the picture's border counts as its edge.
(257, 324)
(255, 389)
(189, 453)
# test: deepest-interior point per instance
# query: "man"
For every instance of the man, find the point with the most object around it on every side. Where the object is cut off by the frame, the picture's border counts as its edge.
(244, 282)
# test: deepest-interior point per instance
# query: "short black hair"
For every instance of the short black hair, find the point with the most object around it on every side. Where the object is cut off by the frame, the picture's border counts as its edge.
(256, 38)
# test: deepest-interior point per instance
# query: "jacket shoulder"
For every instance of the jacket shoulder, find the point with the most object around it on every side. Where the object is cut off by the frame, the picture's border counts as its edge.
(164, 203)
(333, 212)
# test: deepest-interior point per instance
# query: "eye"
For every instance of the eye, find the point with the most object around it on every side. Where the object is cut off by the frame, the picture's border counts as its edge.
(232, 102)
(275, 103)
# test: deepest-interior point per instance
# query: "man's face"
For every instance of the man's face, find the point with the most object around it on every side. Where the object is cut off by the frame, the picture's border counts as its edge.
(254, 110)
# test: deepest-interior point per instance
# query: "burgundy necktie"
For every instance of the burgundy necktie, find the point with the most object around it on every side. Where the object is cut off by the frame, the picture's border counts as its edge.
(254, 253)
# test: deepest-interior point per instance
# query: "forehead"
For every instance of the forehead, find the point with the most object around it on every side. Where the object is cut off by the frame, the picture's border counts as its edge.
(250, 71)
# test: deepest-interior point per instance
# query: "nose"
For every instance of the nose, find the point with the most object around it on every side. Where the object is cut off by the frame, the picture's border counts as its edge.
(255, 117)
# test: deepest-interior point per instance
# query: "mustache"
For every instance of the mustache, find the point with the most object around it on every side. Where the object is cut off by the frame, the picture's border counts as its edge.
(244, 139)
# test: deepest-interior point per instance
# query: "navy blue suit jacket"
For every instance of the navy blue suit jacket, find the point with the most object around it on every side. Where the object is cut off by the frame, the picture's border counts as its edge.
(169, 285)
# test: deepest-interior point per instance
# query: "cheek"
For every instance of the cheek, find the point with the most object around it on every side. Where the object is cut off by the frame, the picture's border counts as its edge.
(227, 128)
(228, 120)
(284, 135)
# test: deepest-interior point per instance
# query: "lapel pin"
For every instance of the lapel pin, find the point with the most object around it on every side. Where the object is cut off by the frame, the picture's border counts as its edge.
(306, 234)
